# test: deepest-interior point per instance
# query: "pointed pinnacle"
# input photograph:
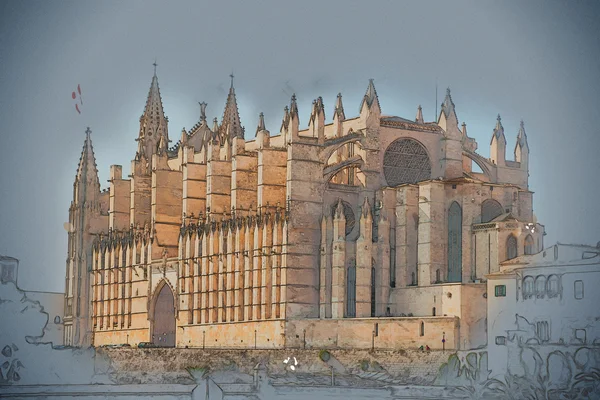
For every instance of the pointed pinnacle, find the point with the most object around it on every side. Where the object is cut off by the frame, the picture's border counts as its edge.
(261, 123)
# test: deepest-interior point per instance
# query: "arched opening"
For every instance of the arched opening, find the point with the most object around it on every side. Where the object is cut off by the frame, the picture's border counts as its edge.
(511, 247)
(422, 329)
(540, 286)
(552, 285)
(527, 287)
(351, 291)
(528, 245)
(490, 209)
(454, 243)
(433, 311)
(163, 331)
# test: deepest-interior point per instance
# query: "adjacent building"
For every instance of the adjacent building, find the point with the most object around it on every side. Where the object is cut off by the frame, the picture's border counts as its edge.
(547, 301)
(357, 232)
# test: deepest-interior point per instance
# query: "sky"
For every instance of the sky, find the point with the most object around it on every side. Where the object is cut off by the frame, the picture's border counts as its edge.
(537, 60)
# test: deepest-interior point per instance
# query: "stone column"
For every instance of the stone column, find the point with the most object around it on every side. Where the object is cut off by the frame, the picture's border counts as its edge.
(407, 217)
(248, 265)
(338, 279)
(382, 275)
(432, 232)
(325, 270)
(364, 262)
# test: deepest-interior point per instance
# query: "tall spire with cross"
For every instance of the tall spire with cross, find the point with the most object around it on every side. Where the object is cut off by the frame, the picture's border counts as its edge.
(231, 116)
(87, 172)
(153, 123)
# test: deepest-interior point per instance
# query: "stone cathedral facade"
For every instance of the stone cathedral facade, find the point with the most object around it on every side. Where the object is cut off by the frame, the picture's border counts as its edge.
(370, 231)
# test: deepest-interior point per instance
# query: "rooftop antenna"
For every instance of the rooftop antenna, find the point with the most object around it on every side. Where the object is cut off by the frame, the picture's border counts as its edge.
(436, 101)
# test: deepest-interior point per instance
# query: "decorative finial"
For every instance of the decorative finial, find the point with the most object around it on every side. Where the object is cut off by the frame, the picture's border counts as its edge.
(261, 123)
(155, 64)
(202, 111)
(498, 118)
(88, 131)
(448, 91)
(522, 124)
(231, 76)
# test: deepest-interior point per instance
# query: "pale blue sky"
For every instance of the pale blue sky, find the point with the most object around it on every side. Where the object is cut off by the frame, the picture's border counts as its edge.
(536, 60)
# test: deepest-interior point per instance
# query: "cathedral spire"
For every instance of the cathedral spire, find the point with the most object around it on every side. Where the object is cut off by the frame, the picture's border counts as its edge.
(370, 96)
(522, 136)
(419, 117)
(293, 106)
(521, 147)
(499, 130)
(87, 172)
(338, 112)
(231, 117)
(261, 123)
(448, 106)
(153, 123)
(498, 144)
(285, 121)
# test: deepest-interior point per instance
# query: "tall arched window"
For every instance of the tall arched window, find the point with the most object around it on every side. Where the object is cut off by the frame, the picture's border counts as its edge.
(552, 286)
(422, 329)
(528, 245)
(373, 292)
(527, 287)
(454, 243)
(490, 209)
(351, 291)
(540, 286)
(511, 247)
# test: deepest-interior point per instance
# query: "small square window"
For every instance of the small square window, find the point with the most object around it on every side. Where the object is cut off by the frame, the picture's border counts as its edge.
(500, 290)
(501, 340)
(579, 290)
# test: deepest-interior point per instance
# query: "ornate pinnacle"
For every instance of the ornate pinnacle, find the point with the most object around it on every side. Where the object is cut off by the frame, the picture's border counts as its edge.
(261, 122)
(202, 111)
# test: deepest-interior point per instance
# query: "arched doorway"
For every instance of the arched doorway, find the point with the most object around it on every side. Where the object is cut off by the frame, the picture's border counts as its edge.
(163, 332)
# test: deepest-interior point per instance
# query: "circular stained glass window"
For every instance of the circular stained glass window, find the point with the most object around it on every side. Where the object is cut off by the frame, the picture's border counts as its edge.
(406, 161)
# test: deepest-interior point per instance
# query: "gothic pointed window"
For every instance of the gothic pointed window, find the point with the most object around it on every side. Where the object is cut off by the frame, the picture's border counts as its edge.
(351, 291)
(373, 300)
(454, 243)
(422, 329)
(490, 209)
(528, 245)
(511, 247)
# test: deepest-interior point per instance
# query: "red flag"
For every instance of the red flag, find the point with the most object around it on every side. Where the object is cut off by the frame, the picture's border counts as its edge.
(79, 89)
(77, 108)
(73, 95)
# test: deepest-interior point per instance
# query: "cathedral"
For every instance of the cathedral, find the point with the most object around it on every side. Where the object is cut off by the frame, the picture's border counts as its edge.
(373, 231)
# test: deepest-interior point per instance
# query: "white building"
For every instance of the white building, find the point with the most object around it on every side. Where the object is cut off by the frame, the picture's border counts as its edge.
(51, 303)
(546, 300)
